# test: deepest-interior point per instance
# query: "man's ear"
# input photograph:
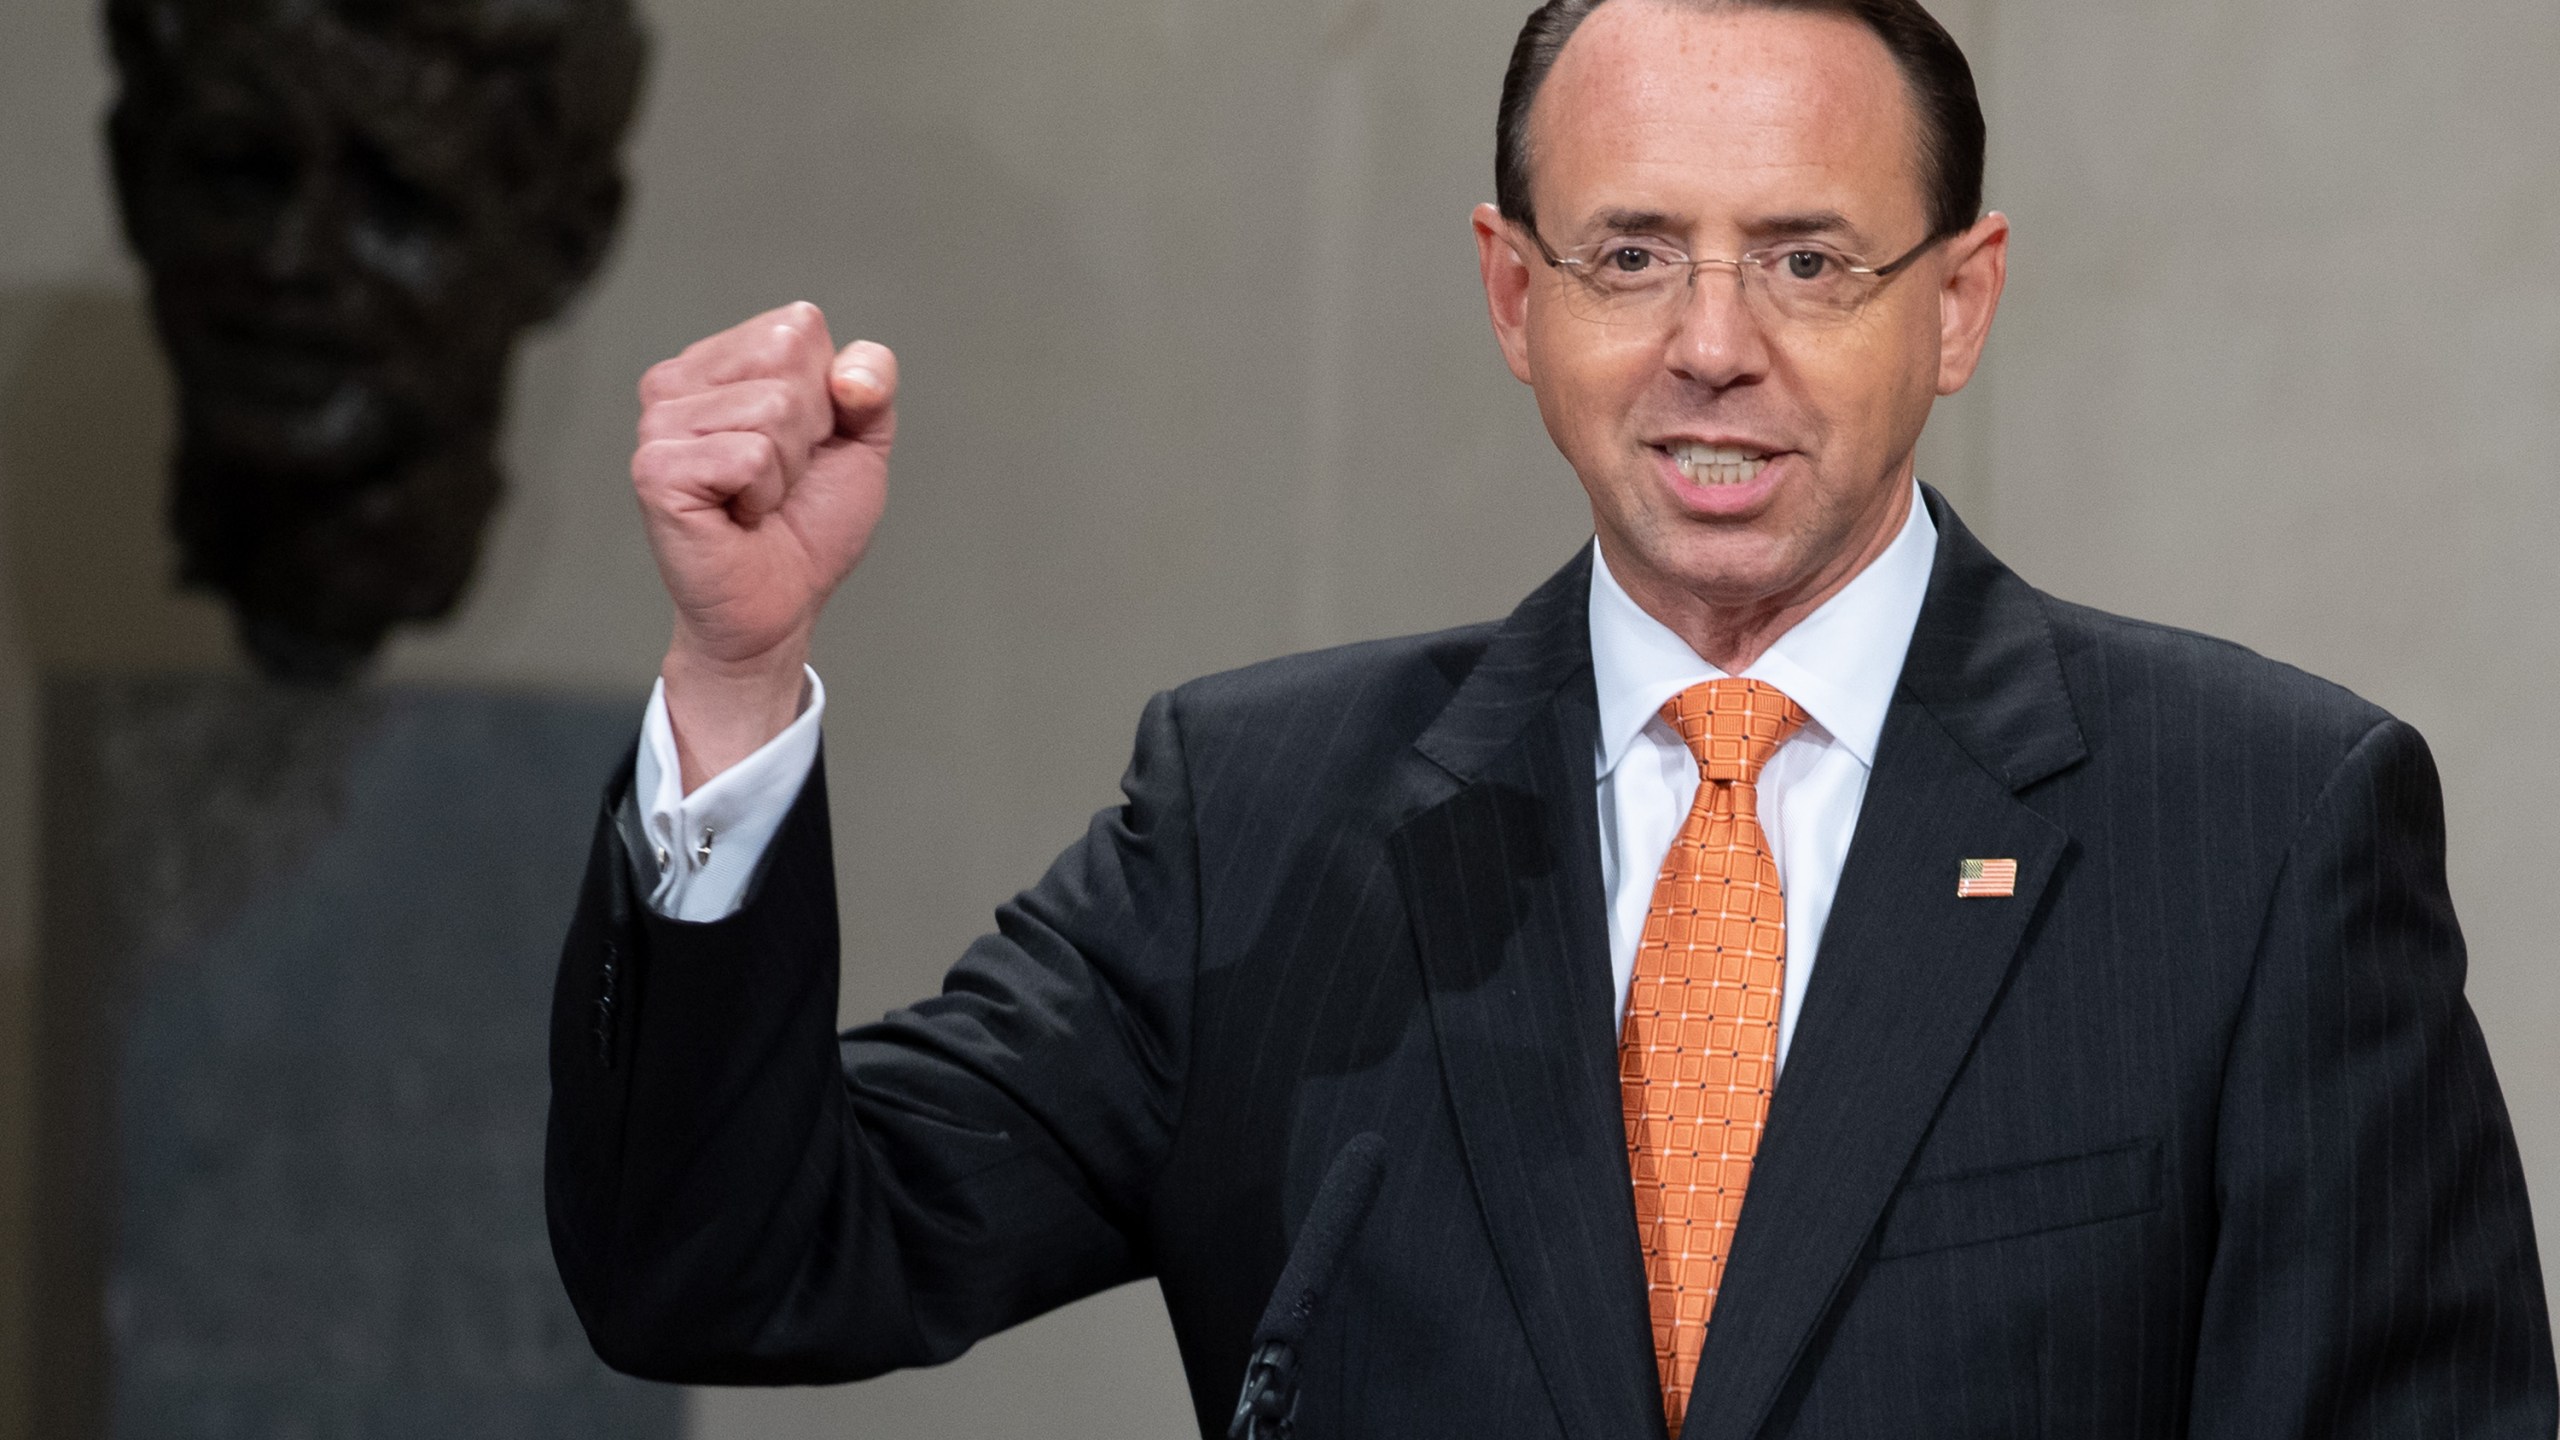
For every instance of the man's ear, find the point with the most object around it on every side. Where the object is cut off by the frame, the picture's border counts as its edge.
(1977, 271)
(1506, 287)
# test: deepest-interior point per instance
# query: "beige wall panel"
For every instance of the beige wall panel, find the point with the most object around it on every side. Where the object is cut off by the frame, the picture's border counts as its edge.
(55, 241)
(2281, 361)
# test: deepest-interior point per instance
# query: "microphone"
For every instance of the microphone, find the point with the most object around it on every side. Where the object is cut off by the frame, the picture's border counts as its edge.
(1268, 1407)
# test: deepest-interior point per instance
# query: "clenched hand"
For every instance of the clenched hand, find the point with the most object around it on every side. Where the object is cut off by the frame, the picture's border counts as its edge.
(762, 469)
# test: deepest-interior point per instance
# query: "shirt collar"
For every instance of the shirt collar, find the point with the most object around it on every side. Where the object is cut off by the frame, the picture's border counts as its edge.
(1840, 662)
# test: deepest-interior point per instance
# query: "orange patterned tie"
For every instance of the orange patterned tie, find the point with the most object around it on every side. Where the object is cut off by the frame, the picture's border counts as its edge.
(1700, 1051)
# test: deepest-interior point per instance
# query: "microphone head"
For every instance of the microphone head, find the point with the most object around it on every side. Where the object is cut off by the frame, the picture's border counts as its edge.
(1342, 1202)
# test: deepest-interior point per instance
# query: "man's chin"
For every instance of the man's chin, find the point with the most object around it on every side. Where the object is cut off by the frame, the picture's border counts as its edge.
(1725, 566)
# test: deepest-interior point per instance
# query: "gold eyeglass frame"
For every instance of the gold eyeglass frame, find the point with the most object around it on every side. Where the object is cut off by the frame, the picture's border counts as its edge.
(1574, 265)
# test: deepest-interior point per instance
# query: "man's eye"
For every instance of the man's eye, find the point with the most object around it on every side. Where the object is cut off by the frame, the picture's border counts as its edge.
(1807, 264)
(1629, 260)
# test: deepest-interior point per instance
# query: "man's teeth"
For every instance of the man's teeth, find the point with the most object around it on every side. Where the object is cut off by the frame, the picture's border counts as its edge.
(1718, 464)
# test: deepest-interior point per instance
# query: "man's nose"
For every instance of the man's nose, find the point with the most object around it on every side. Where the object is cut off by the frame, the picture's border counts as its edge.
(1718, 338)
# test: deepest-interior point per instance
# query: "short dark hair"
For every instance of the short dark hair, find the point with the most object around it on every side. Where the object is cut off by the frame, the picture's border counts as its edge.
(1932, 65)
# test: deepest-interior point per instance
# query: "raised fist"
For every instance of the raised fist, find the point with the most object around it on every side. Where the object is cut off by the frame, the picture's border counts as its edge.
(762, 469)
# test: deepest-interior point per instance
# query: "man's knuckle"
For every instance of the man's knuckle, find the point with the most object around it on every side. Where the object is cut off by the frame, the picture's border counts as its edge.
(652, 466)
(658, 383)
(804, 321)
(749, 406)
(770, 351)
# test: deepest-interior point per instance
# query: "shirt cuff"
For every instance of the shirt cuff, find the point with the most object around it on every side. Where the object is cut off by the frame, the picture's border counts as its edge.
(704, 847)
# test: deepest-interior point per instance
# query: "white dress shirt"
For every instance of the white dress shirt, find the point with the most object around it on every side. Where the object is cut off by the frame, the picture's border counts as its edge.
(705, 845)
(1840, 663)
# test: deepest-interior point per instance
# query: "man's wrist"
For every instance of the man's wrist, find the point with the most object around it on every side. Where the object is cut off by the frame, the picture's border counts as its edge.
(725, 709)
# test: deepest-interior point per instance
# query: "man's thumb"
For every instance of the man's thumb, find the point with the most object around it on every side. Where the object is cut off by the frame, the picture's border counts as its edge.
(863, 381)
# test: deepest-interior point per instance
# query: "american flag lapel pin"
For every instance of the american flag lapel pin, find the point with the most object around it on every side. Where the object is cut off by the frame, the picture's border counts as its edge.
(1986, 879)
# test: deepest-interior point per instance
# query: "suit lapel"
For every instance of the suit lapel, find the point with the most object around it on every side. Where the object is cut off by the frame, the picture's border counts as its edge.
(1907, 971)
(1499, 863)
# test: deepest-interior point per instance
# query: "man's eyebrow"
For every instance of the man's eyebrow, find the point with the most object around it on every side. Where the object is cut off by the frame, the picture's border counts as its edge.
(1632, 222)
(1804, 226)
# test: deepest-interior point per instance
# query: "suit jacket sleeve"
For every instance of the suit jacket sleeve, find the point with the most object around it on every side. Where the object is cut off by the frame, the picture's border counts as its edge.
(2375, 1270)
(738, 1194)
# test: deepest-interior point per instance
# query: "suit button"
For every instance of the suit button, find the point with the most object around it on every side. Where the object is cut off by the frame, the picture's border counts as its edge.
(602, 1024)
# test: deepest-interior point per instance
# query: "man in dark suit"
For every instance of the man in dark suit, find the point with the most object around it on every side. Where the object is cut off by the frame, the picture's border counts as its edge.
(1810, 982)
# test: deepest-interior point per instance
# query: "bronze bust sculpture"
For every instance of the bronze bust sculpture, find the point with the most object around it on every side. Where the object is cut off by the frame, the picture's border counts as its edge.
(348, 209)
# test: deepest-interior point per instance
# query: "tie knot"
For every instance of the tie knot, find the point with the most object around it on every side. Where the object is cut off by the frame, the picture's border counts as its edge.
(1734, 726)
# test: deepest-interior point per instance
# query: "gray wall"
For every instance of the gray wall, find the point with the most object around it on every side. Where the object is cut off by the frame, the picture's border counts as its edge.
(1197, 373)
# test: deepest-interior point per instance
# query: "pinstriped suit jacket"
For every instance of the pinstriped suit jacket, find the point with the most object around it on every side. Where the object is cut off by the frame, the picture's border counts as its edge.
(2193, 1136)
